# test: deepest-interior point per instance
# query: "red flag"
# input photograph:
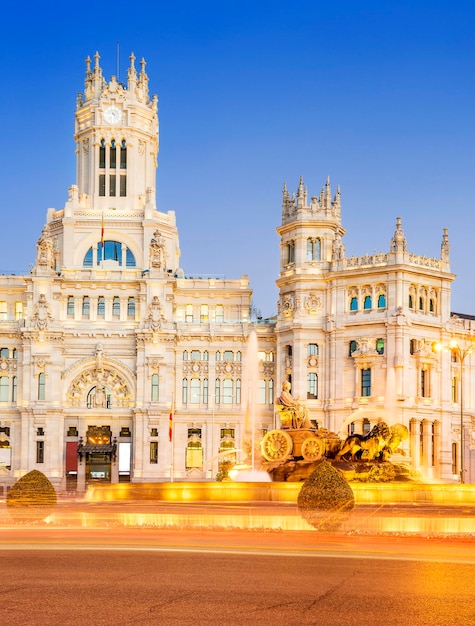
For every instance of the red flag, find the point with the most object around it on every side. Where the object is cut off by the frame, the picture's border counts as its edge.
(170, 424)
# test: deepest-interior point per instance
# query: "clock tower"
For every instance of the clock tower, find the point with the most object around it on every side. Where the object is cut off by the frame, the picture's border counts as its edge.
(116, 133)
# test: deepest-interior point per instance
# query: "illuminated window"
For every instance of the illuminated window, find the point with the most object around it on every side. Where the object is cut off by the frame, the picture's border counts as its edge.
(380, 346)
(3, 310)
(18, 310)
(189, 313)
(153, 452)
(204, 314)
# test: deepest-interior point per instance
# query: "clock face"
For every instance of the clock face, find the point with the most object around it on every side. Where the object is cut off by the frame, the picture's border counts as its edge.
(113, 115)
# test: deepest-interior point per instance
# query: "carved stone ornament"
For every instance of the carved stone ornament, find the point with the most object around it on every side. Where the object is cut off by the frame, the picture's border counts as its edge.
(313, 304)
(100, 379)
(41, 314)
(155, 315)
(288, 306)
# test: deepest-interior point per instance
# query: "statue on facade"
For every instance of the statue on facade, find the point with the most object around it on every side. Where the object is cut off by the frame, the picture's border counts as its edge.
(45, 253)
(100, 399)
(338, 248)
(157, 251)
(299, 411)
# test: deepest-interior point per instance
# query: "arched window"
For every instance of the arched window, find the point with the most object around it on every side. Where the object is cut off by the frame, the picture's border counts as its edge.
(367, 304)
(381, 301)
(155, 388)
(123, 155)
(14, 353)
(312, 386)
(354, 304)
(205, 391)
(4, 353)
(352, 348)
(102, 154)
(411, 302)
(116, 306)
(291, 252)
(238, 391)
(195, 391)
(421, 303)
(185, 355)
(380, 346)
(112, 252)
(14, 388)
(206, 355)
(431, 305)
(217, 391)
(41, 386)
(312, 349)
(228, 355)
(184, 391)
(101, 307)
(113, 155)
(195, 355)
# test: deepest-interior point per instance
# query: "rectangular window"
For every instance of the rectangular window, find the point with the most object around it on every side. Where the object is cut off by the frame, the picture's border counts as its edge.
(227, 391)
(131, 308)
(189, 313)
(101, 307)
(154, 394)
(366, 382)
(123, 186)
(123, 156)
(424, 384)
(154, 452)
(102, 184)
(312, 386)
(219, 313)
(14, 388)
(112, 179)
(116, 306)
(18, 310)
(195, 391)
(262, 391)
(3, 310)
(102, 156)
(454, 390)
(4, 384)
(40, 451)
(204, 313)
(41, 386)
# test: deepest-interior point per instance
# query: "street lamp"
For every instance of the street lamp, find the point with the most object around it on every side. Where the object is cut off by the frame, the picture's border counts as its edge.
(461, 353)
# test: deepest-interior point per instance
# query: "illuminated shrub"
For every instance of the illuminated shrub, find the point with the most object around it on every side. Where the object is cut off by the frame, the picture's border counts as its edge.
(325, 499)
(32, 498)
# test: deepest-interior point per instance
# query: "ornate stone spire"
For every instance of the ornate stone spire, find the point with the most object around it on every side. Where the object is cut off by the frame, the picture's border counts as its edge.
(445, 247)
(398, 242)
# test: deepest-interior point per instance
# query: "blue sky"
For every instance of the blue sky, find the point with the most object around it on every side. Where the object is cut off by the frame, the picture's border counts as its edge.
(377, 95)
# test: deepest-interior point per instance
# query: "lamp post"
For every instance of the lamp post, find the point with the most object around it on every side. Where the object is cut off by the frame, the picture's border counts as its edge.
(461, 353)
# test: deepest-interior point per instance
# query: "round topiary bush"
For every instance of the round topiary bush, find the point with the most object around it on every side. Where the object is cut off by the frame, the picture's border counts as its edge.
(325, 499)
(32, 497)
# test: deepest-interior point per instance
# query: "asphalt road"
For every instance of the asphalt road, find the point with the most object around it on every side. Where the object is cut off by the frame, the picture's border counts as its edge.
(102, 588)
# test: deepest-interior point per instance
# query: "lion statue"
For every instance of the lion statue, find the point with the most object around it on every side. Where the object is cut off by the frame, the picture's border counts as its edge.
(379, 444)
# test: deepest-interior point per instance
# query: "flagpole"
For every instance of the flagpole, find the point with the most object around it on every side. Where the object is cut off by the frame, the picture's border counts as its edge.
(170, 436)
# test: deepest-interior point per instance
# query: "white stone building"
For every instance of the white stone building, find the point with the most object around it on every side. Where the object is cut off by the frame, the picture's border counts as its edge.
(108, 335)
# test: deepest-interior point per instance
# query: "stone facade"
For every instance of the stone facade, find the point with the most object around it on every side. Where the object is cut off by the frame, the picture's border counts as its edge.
(116, 365)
